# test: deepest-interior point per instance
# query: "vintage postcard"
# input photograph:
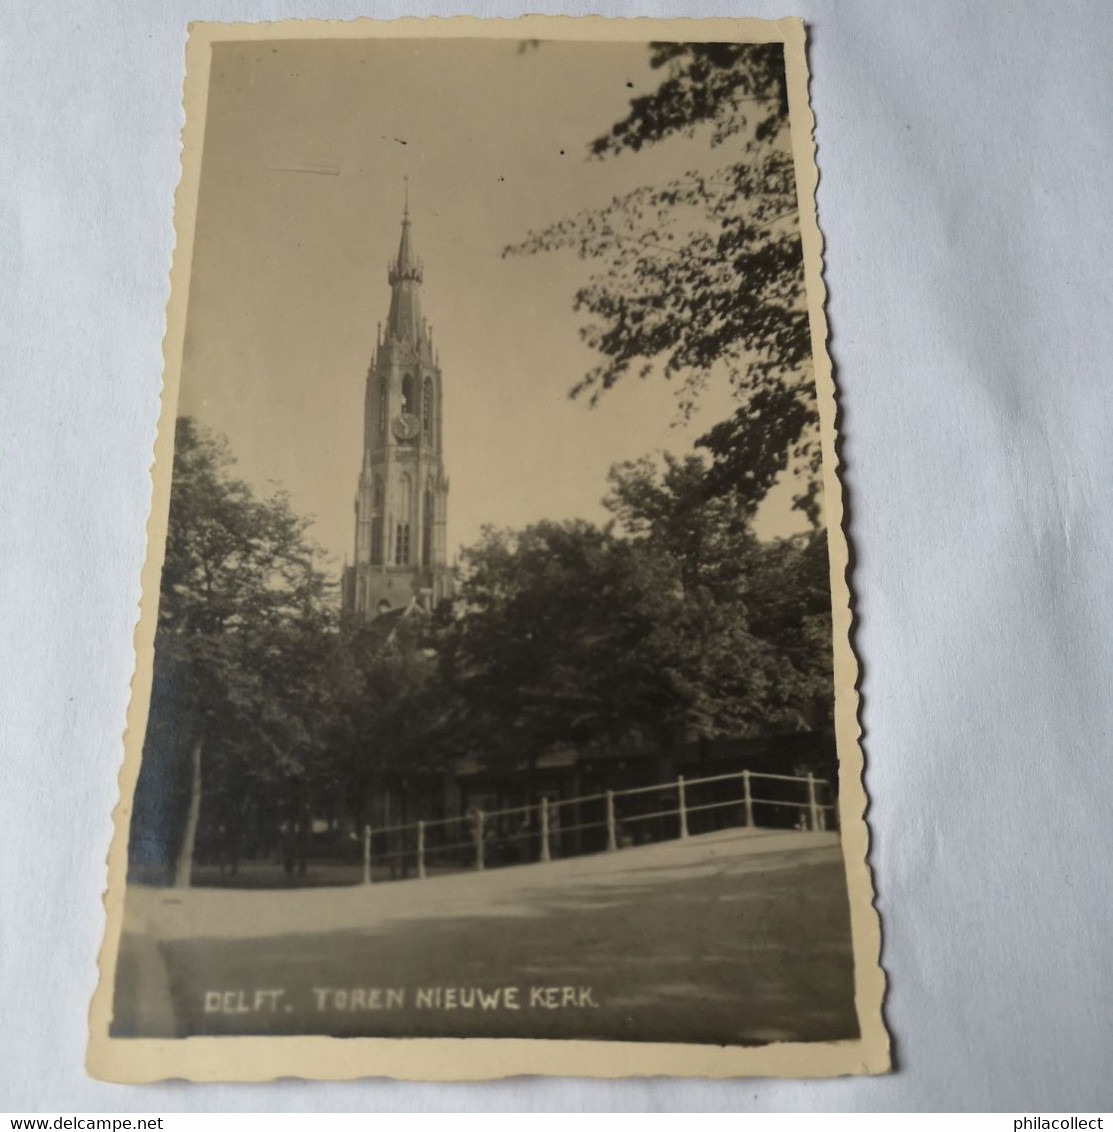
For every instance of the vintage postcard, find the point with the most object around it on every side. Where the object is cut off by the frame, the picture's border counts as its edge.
(494, 709)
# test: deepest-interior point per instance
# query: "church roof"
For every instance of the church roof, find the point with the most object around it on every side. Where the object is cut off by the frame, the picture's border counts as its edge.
(383, 629)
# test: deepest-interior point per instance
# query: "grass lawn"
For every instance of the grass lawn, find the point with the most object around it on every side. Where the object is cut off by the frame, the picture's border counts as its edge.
(731, 938)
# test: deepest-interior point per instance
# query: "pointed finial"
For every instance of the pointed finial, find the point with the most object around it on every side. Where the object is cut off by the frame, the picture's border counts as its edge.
(406, 207)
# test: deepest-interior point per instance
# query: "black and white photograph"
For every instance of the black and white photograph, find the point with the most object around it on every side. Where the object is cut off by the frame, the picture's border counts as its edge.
(494, 662)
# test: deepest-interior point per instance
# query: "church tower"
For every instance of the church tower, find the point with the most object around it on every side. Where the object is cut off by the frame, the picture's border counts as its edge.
(402, 498)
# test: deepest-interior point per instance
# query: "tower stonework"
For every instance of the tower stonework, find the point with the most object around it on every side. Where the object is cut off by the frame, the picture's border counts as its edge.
(402, 498)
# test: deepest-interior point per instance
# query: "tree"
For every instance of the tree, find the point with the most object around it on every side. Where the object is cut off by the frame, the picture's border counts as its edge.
(389, 721)
(675, 615)
(563, 642)
(754, 634)
(241, 635)
(704, 274)
(672, 510)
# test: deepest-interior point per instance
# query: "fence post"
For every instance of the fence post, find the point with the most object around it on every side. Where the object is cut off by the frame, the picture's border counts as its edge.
(612, 839)
(545, 855)
(421, 850)
(479, 840)
(813, 809)
(367, 852)
(682, 806)
(748, 799)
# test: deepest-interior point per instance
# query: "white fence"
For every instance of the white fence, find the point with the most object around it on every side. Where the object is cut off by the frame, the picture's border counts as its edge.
(607, 821)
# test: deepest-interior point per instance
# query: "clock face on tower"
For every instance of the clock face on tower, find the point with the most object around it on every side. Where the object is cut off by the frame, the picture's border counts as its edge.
(405, 427)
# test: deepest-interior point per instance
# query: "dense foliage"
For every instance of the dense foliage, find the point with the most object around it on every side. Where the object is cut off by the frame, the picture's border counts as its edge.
(240, 652)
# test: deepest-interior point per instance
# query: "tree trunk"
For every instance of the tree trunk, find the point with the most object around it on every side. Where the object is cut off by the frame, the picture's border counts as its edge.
(184, 867)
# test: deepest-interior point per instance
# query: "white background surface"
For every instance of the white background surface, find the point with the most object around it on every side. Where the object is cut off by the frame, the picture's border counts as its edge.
(964, 151)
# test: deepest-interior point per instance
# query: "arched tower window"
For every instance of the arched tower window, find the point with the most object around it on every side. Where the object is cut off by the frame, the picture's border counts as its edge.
(377, 522)
(427, 410)
(402, 526)
(384, 390)
(409, 394)
(427, 516)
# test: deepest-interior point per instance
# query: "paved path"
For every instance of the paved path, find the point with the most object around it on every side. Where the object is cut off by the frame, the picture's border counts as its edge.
(740, 936)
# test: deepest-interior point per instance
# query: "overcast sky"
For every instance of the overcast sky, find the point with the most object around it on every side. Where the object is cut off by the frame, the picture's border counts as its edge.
(306, 147)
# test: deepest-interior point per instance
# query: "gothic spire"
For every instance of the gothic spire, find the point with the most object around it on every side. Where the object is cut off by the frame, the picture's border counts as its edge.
(405, 274)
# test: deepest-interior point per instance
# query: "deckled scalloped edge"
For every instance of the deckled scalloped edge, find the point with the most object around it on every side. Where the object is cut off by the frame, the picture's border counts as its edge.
(322, 1058)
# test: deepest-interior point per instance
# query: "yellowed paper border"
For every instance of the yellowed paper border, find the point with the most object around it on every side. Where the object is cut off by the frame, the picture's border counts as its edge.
(136, 1060)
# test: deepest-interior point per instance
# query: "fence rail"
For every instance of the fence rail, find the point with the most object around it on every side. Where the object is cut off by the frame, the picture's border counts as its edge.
(482, 837)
